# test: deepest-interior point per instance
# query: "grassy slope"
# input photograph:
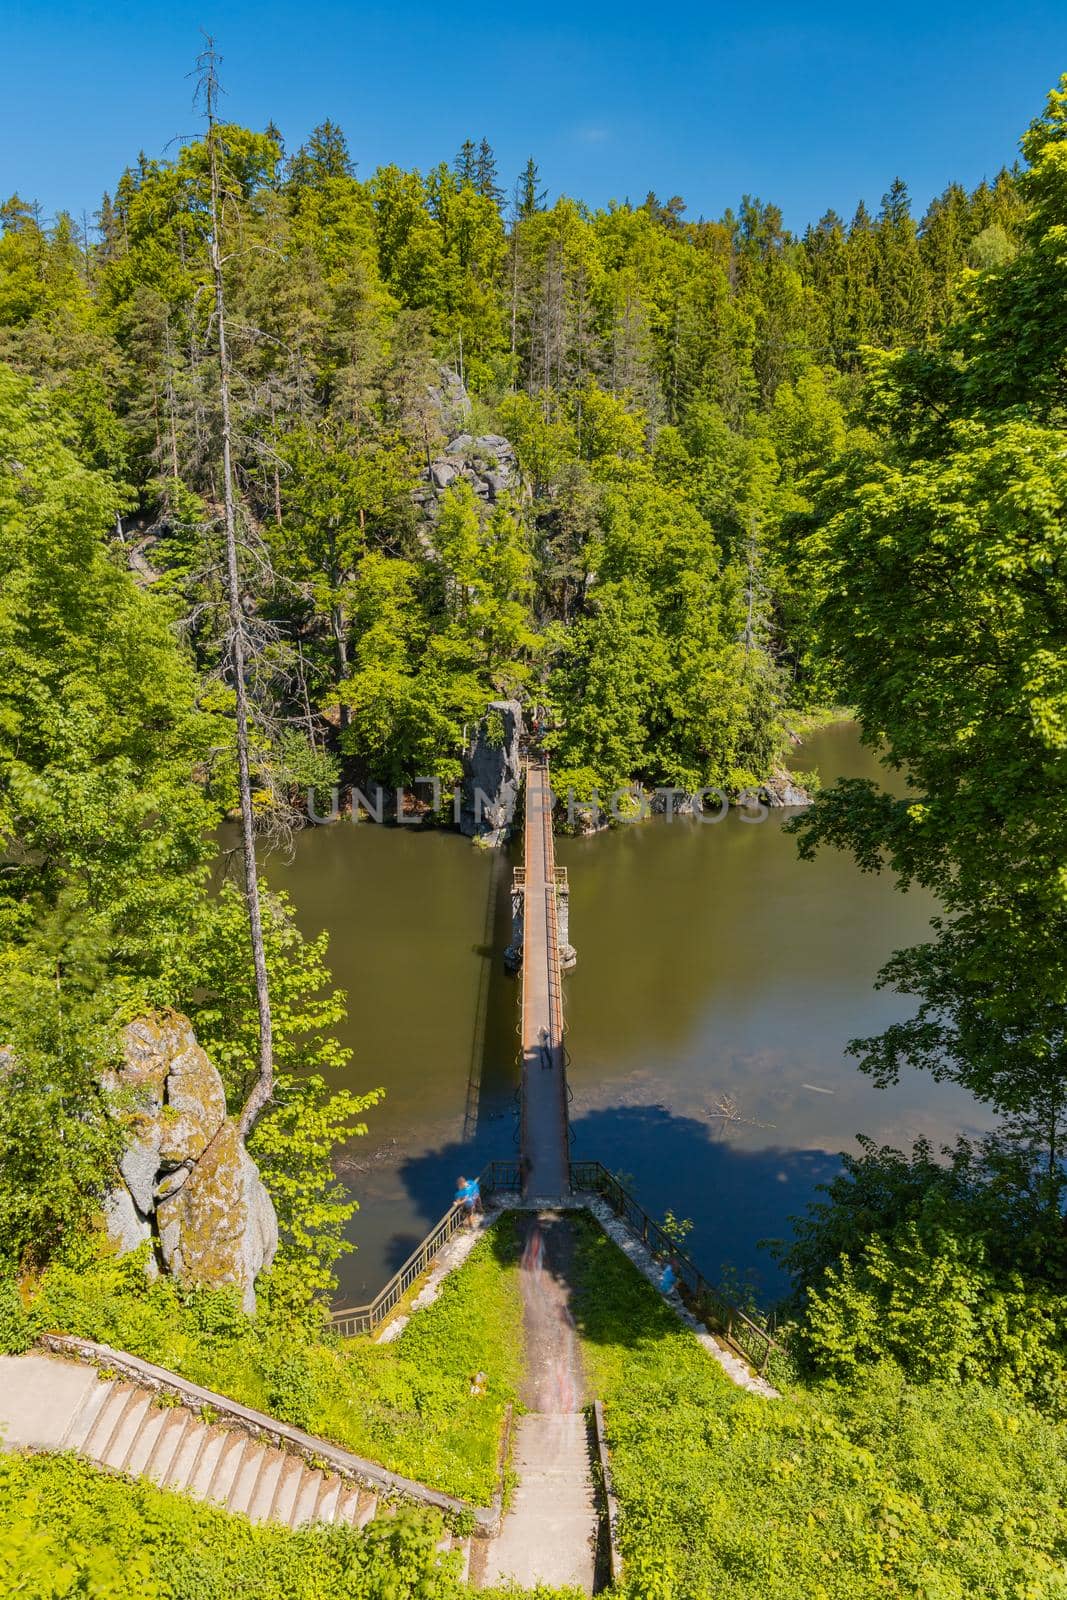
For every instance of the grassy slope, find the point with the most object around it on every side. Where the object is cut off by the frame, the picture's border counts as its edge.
(890, 1490)
(407, 1404)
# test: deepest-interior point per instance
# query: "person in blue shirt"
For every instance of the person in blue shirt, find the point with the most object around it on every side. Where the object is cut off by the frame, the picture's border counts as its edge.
(469, 1196)
(669, 1278)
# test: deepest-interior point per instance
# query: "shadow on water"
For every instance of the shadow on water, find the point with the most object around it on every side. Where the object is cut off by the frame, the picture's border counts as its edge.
(667, 1161)
(493, 1041)
(739, 1197)
(714, 969)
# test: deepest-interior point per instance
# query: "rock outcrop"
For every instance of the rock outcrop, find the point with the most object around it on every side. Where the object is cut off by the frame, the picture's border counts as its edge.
(450, 402)
(780, 790)
(487, 462)
(187, 1182)
(492, 773)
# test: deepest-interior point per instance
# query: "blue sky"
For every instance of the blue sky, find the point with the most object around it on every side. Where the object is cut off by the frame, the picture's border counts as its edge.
(810, 106)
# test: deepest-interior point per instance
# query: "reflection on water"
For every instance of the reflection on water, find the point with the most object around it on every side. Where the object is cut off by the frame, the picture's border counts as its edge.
(719, 979)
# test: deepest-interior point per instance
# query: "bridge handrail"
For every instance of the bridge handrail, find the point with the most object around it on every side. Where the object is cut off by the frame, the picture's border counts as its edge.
(555, 972)
(748, 1336)
(349, 1321)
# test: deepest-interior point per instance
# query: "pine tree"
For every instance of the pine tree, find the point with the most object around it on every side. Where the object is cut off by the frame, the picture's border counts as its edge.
(323, 156)
(896, 204)
(861, 222)
(465, 165)
(485, 179)
(529, 196)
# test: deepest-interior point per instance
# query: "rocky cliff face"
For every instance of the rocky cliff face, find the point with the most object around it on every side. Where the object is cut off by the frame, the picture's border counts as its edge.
(187, 1182)
(488, 463)
(492, 773)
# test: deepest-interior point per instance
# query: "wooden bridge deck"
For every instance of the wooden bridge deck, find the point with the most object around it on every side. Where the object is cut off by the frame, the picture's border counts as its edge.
(545, 1131)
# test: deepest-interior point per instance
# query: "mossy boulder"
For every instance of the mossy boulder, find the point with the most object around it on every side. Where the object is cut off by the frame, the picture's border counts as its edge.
(187, 1182)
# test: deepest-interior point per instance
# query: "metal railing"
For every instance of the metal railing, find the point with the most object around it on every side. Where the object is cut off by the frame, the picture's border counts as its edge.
(746, 1333)
(352, 1320)
(612, 1555)
(555, 971)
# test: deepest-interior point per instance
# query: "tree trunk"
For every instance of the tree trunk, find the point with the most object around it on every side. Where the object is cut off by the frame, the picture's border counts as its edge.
(263, 1087)
(337, 624)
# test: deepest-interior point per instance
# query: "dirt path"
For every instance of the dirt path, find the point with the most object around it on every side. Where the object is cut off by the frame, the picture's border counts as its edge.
(549, 1534)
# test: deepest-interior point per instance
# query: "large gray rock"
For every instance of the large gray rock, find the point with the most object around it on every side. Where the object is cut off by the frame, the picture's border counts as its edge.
(780, 790)
(492, 773)
(187, 1182)
(487, 462)
(126, 1228)
(220, 1226)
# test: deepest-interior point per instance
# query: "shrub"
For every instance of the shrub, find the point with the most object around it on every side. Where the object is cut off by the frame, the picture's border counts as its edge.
(18, 1327)
(407, 1404)
(879, 1487)
(955, 1269)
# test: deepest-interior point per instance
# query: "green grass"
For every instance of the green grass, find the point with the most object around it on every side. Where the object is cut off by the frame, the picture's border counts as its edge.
(886, 1489)
(806, 720)
(407, 1404)
(69, 1532)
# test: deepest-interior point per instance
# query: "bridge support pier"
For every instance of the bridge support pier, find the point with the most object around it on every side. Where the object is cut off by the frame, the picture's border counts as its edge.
(513, 953)
(568, 956)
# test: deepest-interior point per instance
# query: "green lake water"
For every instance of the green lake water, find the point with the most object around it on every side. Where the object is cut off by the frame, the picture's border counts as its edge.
(719, 980)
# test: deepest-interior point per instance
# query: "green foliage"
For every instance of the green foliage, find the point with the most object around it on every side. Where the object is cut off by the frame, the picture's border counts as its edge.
(99, 731)
(67, 1530)
(929, 1300)
(677, 1229)
(884, 1487)
(407, 1404)
(308, 1116)
(938, 562)
(104, 828)
(954, 1269)
(18, 1327)
(657, 678)
(722, 354)
(51, 1102)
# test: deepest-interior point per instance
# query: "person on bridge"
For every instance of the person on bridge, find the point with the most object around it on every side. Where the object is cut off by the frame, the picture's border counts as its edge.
(469, 1196)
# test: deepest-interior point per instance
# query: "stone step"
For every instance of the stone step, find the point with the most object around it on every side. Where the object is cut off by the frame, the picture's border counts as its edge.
(119, 1396)
(349, 1506)
(287, 1490)
(145, 1440)
(85, 1417)
(214, 1443)
(326, 1510)
(175, 1430)
(123, 1446)
(368, 1506)
(246, 1476)
(307, 1497)
(123, 1435)
(183, 1469)
(261, 1500)
(227, 1466)
(549, 1534)
(125, 1428)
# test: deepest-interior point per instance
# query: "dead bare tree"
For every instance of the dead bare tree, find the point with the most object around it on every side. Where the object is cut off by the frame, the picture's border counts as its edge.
(263, 1087)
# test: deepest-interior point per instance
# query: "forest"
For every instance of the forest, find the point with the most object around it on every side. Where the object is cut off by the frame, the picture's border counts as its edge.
(300, 467)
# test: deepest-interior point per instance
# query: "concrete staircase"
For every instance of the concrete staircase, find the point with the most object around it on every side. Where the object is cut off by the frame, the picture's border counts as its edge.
(47, 1403)
(549, 1533)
